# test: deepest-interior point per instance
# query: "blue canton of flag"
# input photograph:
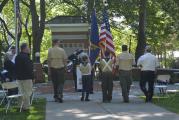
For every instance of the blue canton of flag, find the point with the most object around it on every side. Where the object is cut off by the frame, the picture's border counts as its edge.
(94, 38)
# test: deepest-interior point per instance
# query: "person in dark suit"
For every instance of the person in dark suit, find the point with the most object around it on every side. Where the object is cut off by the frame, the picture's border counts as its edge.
(9, 66)
(76, 61)
(24, 74)
(9, 76)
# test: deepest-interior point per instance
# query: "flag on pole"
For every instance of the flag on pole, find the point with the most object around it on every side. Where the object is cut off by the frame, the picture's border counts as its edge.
(94, 38)
(106, 40)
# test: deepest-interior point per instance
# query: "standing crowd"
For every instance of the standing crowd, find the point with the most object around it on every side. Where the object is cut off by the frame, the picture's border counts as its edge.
(20, 68)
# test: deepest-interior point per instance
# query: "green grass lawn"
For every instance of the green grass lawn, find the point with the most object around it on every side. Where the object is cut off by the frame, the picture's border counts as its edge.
(36, 112)
(170, 103)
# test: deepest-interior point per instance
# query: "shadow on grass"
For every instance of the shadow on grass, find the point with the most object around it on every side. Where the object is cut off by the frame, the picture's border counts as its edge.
(36, 112)
(170, 102)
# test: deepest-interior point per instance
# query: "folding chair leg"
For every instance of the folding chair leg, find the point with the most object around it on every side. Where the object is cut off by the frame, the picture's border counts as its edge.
(32, 98)
(8, 104)
(21, 105)
(2, 100)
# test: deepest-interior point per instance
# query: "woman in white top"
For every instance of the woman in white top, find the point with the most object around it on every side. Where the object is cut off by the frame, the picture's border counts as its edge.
(85, 68)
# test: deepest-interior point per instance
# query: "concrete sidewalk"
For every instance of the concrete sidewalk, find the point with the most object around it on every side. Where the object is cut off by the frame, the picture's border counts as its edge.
(74, 109)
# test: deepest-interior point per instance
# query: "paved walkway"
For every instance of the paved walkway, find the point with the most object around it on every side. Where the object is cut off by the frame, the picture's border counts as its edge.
(74, 109)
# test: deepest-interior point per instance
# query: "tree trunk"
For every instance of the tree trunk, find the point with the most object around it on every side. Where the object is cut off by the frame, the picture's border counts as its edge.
(165, 56)
(1, 66)
(90, 7)
(38, 26)
(141, 43)
(3, 3)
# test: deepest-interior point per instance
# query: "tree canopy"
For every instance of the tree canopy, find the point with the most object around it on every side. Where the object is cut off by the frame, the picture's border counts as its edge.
(133, 22)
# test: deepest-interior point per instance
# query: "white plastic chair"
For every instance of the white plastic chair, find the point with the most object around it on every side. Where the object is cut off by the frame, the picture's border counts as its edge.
(3, 94)
(33, 94)
(9, 85)
(162, 83)
(175, 89)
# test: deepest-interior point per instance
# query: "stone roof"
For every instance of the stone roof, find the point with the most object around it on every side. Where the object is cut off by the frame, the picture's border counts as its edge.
(66, 20)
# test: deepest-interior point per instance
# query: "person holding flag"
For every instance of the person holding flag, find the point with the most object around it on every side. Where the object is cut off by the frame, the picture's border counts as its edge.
(107, 57)
(94, 48)
(107, 78)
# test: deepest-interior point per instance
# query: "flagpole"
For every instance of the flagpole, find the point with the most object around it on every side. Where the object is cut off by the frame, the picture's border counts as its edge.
(94, 4)
(90, 33)
(105, 8)
(16, 26)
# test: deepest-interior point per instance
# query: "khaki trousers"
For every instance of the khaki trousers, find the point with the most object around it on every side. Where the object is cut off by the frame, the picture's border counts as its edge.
(125, 78)
(25, 88)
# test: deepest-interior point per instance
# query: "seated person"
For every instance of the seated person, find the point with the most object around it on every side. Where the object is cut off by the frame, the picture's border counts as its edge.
(8, 75)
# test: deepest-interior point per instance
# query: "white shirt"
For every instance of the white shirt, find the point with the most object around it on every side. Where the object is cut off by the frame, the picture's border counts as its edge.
(148, 62)
(13, 58)
(85, 70)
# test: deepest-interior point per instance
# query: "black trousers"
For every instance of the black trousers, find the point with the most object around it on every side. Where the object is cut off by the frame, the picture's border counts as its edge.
(75, 78)
(147, 77)
(86, 83)
(107, 86)
(91, 82)
(58, 79)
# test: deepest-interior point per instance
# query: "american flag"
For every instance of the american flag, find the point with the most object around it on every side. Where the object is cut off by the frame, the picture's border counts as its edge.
(106, 40)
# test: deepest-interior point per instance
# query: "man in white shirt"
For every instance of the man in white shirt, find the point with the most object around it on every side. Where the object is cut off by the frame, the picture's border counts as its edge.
(148, 63)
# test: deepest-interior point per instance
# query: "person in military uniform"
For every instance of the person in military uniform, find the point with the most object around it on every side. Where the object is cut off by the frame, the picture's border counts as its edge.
(105, 67)
(57, 60)
(124, 63)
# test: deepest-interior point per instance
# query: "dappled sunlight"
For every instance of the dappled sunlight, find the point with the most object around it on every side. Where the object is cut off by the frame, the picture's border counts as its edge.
(109, 116)
(82, 115)
(147, 115)
(36, 112)
(137, 109)
(76, 111)
(34, 117)
(142, 115)
(100, 117)
(160, 114)
(33, 114)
